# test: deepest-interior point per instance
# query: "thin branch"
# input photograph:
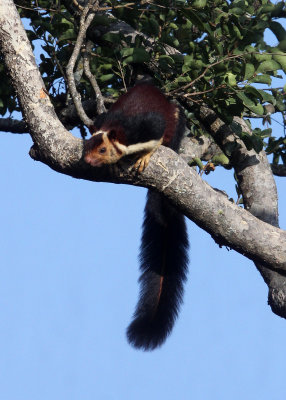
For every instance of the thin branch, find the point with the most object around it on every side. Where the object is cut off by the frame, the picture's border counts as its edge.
(85, 21)
(208, 67)
(204, 72)
(122, 75)
(78, 5)
(187, 95)
(99, 98)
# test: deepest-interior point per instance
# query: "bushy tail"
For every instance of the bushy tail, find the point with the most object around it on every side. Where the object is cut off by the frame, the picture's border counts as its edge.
(163, 263)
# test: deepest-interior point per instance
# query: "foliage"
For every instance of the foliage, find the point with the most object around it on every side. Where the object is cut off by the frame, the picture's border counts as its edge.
(199, 51)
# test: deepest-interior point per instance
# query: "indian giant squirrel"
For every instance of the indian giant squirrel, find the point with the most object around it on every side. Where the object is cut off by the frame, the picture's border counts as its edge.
(141, 120)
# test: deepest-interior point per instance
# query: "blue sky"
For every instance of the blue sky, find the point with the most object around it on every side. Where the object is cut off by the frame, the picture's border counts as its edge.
(68, 288)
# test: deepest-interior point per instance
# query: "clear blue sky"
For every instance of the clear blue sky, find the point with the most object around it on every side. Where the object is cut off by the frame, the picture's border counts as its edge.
(68, 288)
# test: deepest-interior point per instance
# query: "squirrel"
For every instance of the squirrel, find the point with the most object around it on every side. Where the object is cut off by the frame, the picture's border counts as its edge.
(138, 123)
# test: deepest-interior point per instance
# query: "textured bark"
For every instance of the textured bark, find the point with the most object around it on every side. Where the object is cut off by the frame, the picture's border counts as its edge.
(13, 126)
(36, 106)
(260, 198)
(67, 115)
(227, 223)
(259, 192)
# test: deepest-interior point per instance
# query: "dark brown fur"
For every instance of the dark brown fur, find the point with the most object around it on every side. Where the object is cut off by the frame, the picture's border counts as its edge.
(140, 121)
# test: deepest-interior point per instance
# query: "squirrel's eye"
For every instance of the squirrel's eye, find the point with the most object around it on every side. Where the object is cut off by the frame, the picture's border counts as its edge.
(102, 150)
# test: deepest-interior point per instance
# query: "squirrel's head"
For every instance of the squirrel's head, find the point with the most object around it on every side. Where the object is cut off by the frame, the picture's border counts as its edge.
(105, 147)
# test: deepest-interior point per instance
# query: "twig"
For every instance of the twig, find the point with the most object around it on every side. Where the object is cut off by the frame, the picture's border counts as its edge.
(205, 71)
(85, 21)
(122, 75)
(78, 5)
(99, 98)
(204, 91)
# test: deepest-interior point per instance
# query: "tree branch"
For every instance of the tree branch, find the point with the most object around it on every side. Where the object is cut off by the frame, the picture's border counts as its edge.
(13, 126)
(85, 21)
(278, 170)
(227, 223)
(259, 192)
(100, 101)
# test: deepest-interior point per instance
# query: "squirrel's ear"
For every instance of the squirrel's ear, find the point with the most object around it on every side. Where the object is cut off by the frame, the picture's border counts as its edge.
(112, 135)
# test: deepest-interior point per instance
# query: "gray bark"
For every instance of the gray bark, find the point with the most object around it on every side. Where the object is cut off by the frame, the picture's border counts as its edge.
(227, 223)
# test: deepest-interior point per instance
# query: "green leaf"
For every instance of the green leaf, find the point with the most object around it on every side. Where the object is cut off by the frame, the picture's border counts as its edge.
(267, 97)
(237, 32)
(69, 34)
(112, 37)
(174, 26)
(237, 11)
(166, 63)
(191, 64)
(31, 35)
(281, 59)
(273, 145)
(269, 65)
(262, 57)
(262, 133)
(257, 109)
(127, 51)
(261, 79)
(194, 18)
(135, 55)
(105, 66)
(198, 162)
(282, 45)
(281, 106)
(249, 71)
(199, 3)
(107, 77)
(167, 59)
(154, 26)
(278, 30)
(220, 159)
(278, 9)
(231, 78)
(252, 141)
(188, 60)
(230, 147)
(250, 104)
(245, 99)
(183, 79)
(253, 91)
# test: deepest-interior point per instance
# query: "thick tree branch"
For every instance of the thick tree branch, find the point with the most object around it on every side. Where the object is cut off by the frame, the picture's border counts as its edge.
(202, 147)
(227, 223)
(13, 126)
(278, 170)
(260, 198)
(259, 193)
(96, 33)
(167, 172)
(67, 115)
(36, 106)
(252, 169)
